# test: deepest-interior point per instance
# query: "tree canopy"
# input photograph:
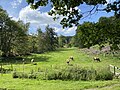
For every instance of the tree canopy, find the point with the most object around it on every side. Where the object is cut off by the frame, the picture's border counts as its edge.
(15, 39)
(68, 8)
(106, 31)
(13, 35)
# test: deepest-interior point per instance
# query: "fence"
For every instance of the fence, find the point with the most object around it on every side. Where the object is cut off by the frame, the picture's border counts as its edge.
(115, 70)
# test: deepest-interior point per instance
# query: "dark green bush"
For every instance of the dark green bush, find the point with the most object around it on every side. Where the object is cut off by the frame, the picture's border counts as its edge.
(32, 76)
(67, 73)
(23, 75)
(3, 70)
(77, 73)
(15, 75)
(71, 73)
(20, 75)
(104, 75)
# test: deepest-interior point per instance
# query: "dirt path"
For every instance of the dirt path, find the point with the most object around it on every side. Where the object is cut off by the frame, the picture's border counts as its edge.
(111, 87)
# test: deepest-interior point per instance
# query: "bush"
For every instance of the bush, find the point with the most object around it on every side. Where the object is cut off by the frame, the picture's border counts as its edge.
(15, 75)
(32, 76)
(104, 75)
(67, 73)
(77, 73)
(20, 75)
(71, 73)
(25, 75)
(3, 70)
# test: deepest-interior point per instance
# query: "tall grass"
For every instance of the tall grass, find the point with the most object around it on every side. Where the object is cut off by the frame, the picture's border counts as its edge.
(67, 73)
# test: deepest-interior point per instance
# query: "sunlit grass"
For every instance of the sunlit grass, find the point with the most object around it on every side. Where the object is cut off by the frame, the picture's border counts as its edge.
(27, 84)
(58, 59)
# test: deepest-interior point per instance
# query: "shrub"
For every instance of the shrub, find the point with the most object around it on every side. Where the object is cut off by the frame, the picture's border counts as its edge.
(20, 75)
(3, 70)
(23, 75)
(104, 74)
(32, 76)
(67, 73)
(71, 73)
(15, 75)
(77, 73)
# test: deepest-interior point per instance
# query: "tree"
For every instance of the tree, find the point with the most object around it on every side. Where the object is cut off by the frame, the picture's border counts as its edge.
(41, 41)
(106, 31)
(20, 43)
(13, 35)
(3, 31)
(51, 39)
(72, 41)
(109, 29)
(61, 40)
(48, 40)
(66, 41)
(86, 34)
(33, 45)
(68, 8)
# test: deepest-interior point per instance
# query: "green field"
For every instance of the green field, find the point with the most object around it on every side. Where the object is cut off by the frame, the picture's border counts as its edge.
(57, 59)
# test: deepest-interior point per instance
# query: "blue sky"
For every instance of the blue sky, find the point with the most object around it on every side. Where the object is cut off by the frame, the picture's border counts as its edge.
(19, 9)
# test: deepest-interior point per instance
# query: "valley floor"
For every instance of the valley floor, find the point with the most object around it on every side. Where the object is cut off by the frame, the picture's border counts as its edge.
(58, 58)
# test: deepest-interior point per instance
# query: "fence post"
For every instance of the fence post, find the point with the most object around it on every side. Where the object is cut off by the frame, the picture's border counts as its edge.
(114, 70)
(1, 69)
(23, 67)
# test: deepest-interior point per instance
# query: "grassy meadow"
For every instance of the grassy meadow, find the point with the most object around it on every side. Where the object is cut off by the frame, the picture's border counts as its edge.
(57, 59)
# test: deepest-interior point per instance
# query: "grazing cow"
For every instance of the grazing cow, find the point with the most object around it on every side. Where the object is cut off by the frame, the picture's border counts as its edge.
(32, 60)
(96, 59)
(23, 60)
(68, 61)
(71, 58)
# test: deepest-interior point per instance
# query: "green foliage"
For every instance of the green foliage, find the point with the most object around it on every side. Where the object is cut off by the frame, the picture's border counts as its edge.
(66, 41)
(14, 38)
(48, 40)
(68, 9)
(85, 35)
(106, 31)
(13, 35)
(104, 75)
(21, 42)
(51, 39)
(67, 73)
(32, 76)
(115, 6)
(24, 75)
(61, 40)
(41, 41)
(71, 73)
(33, 43)
(4, 70)
(19, 75)
(77, 73)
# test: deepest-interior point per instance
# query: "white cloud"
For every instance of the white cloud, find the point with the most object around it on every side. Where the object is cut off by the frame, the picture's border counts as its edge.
(16, 3)
(70, 31)
(36, 17)
(41, 19)
(67, 32)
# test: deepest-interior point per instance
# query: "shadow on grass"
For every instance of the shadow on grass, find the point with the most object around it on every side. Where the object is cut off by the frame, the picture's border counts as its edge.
(27, 59)
(64, 49)
(36, 57)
